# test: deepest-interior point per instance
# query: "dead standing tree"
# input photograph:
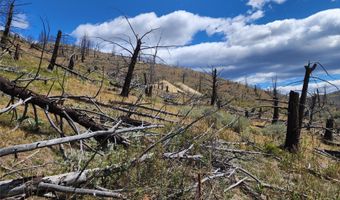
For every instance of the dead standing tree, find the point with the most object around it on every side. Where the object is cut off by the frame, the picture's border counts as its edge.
(295, 125)
(275, 102)
(293, 130)
(5, 35)
(304, 91)
(311, 111)
(84, 45)
(214, 87)
(128, 78)
(55, 51)
(134, 52)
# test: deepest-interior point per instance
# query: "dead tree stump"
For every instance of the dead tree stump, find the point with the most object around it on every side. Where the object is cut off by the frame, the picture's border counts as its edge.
(293, 129)
(55, 52)
(329, 129)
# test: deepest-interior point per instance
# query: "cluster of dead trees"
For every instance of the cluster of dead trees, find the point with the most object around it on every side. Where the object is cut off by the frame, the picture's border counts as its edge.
(134, 118)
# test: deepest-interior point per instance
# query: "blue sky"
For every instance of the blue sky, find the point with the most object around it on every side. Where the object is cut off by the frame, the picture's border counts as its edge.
(257, 39)
(68, 14)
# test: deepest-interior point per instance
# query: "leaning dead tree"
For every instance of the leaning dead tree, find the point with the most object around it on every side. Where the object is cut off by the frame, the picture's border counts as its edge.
(128, 78)
(309, 69)
(6, 32)
(55, 51)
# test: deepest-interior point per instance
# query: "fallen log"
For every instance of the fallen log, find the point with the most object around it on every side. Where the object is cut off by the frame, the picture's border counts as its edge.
(79, 191)
(46, 143)
(44, 102)
(30, 185)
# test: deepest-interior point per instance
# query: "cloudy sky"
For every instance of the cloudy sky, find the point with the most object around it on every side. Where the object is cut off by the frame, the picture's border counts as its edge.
(253, 40)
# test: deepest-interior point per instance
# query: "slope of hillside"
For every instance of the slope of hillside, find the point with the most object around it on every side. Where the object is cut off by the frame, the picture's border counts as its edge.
(156, 150)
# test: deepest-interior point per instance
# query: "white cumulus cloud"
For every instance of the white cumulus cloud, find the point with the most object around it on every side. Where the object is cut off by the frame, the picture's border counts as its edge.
(280, 47)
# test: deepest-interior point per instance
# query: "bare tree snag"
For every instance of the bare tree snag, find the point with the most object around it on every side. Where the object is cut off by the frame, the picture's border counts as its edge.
(214, 87)
(275, 103)
(55, 51)
(311, 114)
(293, 129)
(183, 77)
(329, 129)
(303, 97)
(71, 63)
(83, 47)
(200, 83)
(44, 102)
(260, 113)
(126, 87)
(5, 35)
(17, 52)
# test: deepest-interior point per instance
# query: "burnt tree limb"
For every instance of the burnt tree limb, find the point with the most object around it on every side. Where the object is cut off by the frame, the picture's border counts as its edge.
(44, 102)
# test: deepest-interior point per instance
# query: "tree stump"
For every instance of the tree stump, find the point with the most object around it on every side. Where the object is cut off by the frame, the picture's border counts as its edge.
(293, 129)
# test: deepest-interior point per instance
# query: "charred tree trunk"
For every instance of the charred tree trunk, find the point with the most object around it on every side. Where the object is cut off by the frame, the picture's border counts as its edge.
(329, 130)
(200, 83)
(311, 114)
(17, 52)
(303, 97)
(150, 91)
(293, 129)
(71, 63)
(276, 110)
(183, 77)
(126, 87)
(6, 32)
(275, 102)
(214, 87)
(260, 113)
(55, 52)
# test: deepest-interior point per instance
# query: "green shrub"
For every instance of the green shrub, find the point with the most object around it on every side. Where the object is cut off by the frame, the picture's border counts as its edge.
(276, 131)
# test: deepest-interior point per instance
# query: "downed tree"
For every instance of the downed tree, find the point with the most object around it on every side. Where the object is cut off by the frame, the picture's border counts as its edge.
(90, 100)
(44, 102)
(46, 143)
(30, 185)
